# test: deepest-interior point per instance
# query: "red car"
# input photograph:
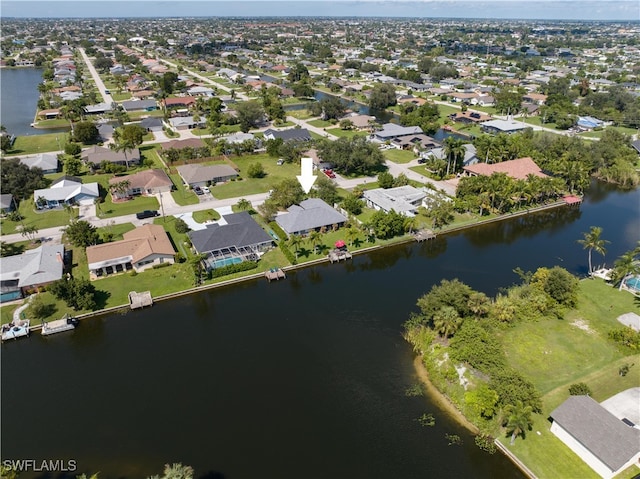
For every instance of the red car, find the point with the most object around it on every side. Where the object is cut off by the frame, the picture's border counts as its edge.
(329, 173)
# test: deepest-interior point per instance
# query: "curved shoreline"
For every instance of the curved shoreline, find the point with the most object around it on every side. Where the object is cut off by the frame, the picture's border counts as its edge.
(441, 399)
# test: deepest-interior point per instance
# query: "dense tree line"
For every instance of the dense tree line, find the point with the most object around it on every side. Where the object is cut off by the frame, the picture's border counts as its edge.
(20, 180)
(352, 156)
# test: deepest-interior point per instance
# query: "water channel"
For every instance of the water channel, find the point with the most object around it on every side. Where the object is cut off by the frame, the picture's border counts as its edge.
(304, 377)
(19, 100)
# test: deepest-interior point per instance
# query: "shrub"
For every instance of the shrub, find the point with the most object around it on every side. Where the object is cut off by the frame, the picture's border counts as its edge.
(579, 389)
(287, 252)
(277, 230)
(234, 268)
(626, 336)
(181, 226)
(161, 265)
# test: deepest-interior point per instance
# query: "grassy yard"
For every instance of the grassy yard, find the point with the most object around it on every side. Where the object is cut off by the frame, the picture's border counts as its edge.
(205, 215)
(557, 353)
(399, 156)
(321, 123)
(32, 144)
(55, 123)
(182, 195)
(248, 186)
(40, 219)
(340, 133)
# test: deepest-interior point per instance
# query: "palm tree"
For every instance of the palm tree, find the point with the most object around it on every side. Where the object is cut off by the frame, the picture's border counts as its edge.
(446, 321)
(243, 204)
(625, 266)
(410, 223)
(592, 241)
(295, 241)
(518, 420)
(454, 150)
(351, 234)
(315, 239)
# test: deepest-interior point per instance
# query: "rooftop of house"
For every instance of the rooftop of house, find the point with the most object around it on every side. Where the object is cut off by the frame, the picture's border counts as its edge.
(236, 230)
(35, 266)
(309, 214)
(518, 169)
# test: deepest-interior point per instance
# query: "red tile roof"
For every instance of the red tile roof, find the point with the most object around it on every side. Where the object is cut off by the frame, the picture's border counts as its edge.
(518, 169)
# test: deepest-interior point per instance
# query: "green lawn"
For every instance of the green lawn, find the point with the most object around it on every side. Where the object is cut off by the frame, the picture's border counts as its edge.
(55, 123)
(555, 354)
(28, 145)
(248, 186)
(205, 215)
(321, 123)
(399, 156)
(40, 219)
(181, 195)
(340, 133)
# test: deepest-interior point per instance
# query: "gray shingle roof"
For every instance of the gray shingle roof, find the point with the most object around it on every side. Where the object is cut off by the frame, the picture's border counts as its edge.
(605, 436)
(310, 214)
(36, 266)
(240, 231)
(199, 173)
(299, 134)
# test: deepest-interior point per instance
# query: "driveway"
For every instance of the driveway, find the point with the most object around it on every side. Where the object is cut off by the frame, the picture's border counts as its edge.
(625, 404)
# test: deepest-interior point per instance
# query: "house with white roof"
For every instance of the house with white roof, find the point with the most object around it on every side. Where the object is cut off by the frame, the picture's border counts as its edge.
(402, 199)
(66, 190)
(390, 131)
(47, 162)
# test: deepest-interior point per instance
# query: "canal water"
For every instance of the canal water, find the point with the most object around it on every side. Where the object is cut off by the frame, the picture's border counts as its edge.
(302, 378)
(19, 99)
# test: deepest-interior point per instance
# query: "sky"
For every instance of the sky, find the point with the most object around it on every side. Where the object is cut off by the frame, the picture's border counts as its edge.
(500, 9)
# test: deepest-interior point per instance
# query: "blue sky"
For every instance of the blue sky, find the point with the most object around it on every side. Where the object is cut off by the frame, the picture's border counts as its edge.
(505, 9)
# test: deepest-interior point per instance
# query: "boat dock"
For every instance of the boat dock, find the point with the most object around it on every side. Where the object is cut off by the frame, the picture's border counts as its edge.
(67, 323)
(423, 235)
(275, 273)
(339, 255)
(140, 300)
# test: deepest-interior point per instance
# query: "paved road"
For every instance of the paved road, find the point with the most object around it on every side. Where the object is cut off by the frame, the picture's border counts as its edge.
(107, 98)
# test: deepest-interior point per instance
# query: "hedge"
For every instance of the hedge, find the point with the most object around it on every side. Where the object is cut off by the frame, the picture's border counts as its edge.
(277, 230)
(234, 268)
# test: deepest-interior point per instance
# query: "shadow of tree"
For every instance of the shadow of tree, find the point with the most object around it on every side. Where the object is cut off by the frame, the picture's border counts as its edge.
(101, 298)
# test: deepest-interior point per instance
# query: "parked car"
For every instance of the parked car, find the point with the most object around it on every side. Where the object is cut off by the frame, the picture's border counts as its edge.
(280, 162)
(146, 214)
(329, 173)
(205, 189)
(197, 190)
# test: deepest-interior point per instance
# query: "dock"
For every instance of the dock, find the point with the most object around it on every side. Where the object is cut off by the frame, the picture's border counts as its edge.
(424, 235)
(339, 255)
(67, 323)
(140, 300)
(275, 273)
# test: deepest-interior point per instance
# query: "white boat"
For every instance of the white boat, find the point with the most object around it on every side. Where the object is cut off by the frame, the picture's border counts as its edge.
(58, 326)
(16, 329)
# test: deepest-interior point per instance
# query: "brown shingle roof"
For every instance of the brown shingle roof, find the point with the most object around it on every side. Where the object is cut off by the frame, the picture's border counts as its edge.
(138, 243)
(144, 179)
(178, 144)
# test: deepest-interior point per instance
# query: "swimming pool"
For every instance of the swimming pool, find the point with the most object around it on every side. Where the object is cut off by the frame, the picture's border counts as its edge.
(219, 263)
(633, 283)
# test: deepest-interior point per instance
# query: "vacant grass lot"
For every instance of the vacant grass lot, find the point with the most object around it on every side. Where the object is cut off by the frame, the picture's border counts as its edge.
(29, 145)
(556, 353)
(248, 186)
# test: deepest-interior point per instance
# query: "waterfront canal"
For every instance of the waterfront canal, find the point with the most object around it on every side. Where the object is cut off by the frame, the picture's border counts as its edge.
(299, 378)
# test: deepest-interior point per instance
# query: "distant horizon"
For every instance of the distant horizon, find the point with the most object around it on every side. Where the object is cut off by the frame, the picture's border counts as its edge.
(625, 11)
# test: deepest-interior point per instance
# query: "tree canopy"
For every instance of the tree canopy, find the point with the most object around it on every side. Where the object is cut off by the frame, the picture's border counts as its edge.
(20, 180)
(354, 155)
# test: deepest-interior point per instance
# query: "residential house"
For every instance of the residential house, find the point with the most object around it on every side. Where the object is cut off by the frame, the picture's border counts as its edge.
(605, 443)
(292, 134)
(239, 137)
(589, 123)
(97, 154)
(202, 175)
(182, 123)
(66, 190)
(178, 102)
(145, 182)
(535, 98)
(139, 105)
(7, 203)
(23, 273)
(311, 214)
(318, 163)
(105, 130)
(234, 238)
(416, 143)
(518, 169)
(180, 144)
(468, 117)
(503, 126)
(97, 109)
(152, 123)
(200, 91)
(390, 131)
(47, 162)
(140, 249)
(402, 199)
(49, 114)
(470, 157)
(361, 122)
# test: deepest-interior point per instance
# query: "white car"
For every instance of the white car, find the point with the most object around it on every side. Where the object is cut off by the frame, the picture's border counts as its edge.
(206, 189)
(280, 162)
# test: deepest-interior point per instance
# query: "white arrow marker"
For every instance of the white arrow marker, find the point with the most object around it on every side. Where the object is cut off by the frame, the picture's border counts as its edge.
(306, 178)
